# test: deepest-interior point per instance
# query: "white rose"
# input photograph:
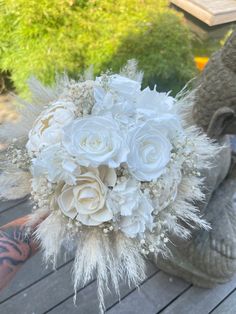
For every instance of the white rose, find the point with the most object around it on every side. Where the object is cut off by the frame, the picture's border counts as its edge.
(95, 141)
(85, 202)
(150, 103)
(135, 210)
(47, 129)
(55, 163)
(150, 151)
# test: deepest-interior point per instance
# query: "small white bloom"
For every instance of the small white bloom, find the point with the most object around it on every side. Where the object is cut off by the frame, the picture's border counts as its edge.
(150, 151)
(47, 129)
(95, 141)
(122, 110)
(167, 189)
(168, 124)
(117, 85)
(85, 201)
(151, 104)
(55, 163)
(118, 97)
(135, 210)
(39, 185)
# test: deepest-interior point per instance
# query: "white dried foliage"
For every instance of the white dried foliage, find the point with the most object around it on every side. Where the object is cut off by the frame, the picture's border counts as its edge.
(52, 241)
(130, 70)
(29, 111)
(42, 95)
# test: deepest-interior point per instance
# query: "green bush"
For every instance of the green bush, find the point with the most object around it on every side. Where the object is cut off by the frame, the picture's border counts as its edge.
(42, 37)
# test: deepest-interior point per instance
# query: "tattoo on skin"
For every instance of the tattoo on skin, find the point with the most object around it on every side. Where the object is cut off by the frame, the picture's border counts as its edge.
(17, 245)
(14, 247)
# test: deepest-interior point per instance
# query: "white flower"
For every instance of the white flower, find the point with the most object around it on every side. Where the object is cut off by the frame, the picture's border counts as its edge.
(134, 209)
(117, 85)
(168, 124)
(118, 97)
(151, 104)
(95, 141)
(150, 150)
(122, 110)
(55, 163)
(85, 202)
(47, 129)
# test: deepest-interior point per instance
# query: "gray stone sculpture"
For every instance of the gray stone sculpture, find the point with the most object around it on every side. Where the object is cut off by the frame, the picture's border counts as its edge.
(209, 258)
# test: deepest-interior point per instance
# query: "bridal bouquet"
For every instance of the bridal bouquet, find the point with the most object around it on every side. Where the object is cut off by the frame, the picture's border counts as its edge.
(116, 170)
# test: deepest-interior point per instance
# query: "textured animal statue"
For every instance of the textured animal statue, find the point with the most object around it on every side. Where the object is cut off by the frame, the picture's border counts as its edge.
(209, 258)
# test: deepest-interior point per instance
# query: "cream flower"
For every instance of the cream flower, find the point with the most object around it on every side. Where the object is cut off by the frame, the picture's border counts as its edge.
(47, 129)
(95, 141)
(134, 208)
(55, 163)
(85, 202)
(150, 151)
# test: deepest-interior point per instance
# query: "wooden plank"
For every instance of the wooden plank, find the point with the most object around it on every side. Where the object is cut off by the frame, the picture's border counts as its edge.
(227, 306)
(217, 6)
(153, 295)
(211, 12)
(4, 206)
(197, 300)
(43, 295)
(20, 210)
(33, 271)
(87, 301)
(195, 10)
(223, 18)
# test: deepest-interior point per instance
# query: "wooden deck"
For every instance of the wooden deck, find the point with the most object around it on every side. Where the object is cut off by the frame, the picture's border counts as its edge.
(37, 290)
(211, 12)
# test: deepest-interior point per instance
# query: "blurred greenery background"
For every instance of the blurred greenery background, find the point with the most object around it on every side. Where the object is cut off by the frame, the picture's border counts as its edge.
(45, 37)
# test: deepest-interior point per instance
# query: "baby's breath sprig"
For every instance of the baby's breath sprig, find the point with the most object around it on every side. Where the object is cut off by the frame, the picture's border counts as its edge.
(18, 156)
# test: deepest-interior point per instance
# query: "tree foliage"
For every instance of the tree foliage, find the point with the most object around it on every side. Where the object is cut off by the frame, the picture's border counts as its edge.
(45, 37)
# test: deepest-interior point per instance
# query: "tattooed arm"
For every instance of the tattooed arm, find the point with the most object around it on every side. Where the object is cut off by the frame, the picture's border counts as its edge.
(17, 245)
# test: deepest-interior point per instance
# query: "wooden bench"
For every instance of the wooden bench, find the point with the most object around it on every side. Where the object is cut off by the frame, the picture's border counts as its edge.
(211, 12)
